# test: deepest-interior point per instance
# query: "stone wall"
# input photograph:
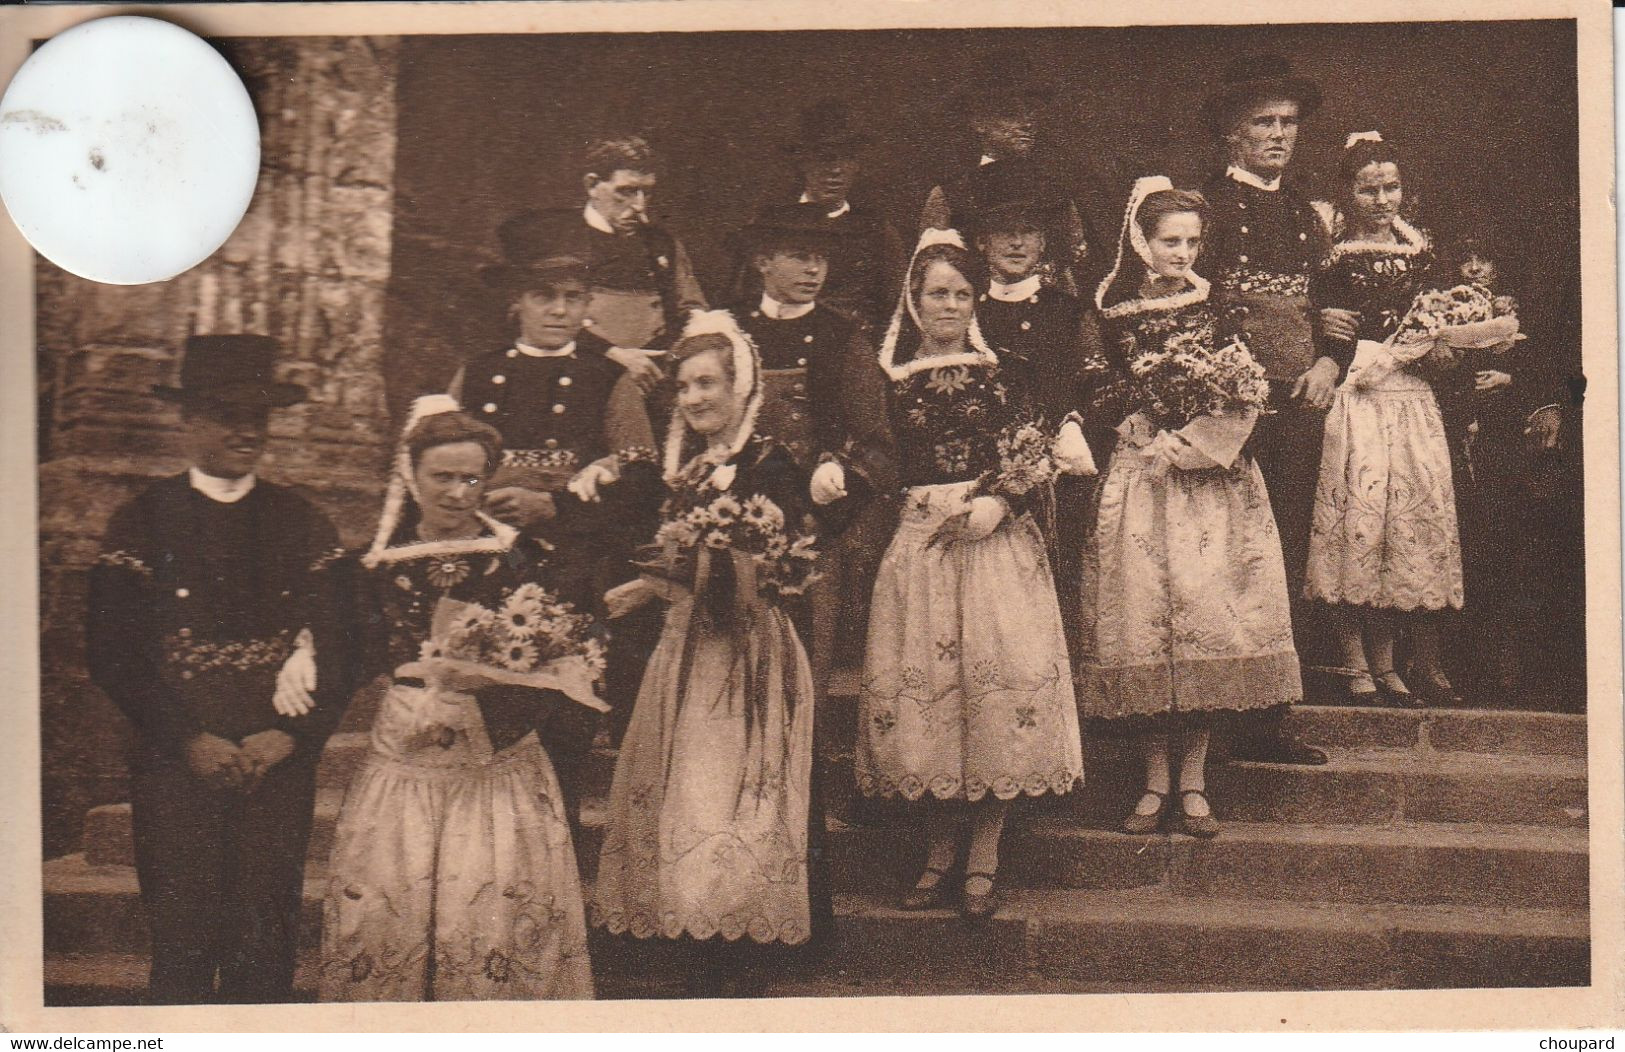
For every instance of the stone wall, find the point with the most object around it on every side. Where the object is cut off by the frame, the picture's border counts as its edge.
(309, 265)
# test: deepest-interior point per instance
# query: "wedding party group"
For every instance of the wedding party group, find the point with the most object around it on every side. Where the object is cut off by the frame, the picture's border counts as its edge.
(1026, 479)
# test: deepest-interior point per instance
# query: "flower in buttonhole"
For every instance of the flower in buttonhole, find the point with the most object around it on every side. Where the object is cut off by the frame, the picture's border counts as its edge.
(431, 650)
(723, 476)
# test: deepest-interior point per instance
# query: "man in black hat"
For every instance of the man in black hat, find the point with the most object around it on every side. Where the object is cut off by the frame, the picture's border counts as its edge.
(1003, 112)
(565, 410)
(866, 254)
(1043, 336)
(207, 581)
(1263, 240)
(825, 398)
(641, 281)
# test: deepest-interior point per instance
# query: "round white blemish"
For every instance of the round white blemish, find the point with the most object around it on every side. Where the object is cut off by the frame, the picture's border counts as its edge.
(129, 150)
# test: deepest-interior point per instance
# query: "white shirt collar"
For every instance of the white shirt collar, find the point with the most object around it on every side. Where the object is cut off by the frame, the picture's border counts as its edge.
(537, 352)
(840, 210)
(225, 491)
(1246, 178)
(987, 159)
(1025, 289)
(596, 221)
(772, 308)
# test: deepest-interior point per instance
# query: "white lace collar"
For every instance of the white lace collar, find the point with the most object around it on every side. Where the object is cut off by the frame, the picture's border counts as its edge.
(1025, 289)
(772, 308)
(1411, 241)
(840, 210)
(1161, 304)
(1252, 179)
(596, 221)
(538, 352)
(219, 490)
(500, 539)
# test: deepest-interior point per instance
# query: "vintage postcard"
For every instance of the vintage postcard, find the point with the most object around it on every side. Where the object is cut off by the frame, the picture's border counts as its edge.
(868, 516)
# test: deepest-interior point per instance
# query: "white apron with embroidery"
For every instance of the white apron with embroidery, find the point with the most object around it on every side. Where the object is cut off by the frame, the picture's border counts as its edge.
(453, 877)
(966, 684)
(1384, 529)
(707, 827)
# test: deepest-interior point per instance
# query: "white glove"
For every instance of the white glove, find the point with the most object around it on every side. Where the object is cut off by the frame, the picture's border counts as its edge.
(1072, 452)
(985, 515)
(588, 480)
(828, 483)
(296, 680)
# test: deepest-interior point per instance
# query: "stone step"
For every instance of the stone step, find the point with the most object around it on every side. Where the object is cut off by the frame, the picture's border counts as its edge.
(1370, 786)
(1122, 941)
(1331, 727)
(96, 907)
(1375, 786)
(1448, 861)
(1442, 730)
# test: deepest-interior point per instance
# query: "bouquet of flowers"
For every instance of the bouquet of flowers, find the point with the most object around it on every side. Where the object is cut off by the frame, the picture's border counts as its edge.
(700, 525)
(1463, 318)
(1026, 462)
(1185, 377)
(530, 639)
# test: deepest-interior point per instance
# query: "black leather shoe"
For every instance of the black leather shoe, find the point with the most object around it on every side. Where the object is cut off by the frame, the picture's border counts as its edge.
(1279, 750)
(978, 908)
(918, 898)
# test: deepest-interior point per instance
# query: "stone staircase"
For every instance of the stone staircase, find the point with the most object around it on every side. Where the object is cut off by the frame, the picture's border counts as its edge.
(1438, 849)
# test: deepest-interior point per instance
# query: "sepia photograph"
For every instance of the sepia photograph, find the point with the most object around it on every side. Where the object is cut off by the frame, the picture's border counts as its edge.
(910, 511)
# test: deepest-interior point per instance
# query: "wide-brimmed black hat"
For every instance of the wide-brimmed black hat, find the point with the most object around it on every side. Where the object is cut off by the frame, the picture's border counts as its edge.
(1253, 78)
(826, 127)
(233, 370)
(530, 259)
(1012, 212)
(1003, 84)
(792, 227)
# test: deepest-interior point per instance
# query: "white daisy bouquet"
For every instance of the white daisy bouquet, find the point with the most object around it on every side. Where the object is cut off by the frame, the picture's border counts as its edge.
(1188, 377)
(528, 639)
(780, 557)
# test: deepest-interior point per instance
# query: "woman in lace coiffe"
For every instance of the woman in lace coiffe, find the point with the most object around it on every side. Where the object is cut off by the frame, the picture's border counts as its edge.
(707, 831)
(966, 700)
(1184, 590)
(453, 876)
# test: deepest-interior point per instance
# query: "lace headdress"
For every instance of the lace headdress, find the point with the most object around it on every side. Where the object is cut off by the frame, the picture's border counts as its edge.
(747, 384)
(979, 354)
(1132, 237)
(403, 486)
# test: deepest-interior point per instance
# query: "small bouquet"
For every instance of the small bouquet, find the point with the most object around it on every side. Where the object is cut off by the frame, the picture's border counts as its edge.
(701, 526)
(530, 639)
(1026, 462)
(1187, 377)
(1464, 318)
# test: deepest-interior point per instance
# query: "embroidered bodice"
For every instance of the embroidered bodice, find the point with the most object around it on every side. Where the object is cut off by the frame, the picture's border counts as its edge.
(946, 422)
(1379, 280)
